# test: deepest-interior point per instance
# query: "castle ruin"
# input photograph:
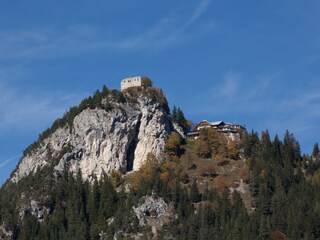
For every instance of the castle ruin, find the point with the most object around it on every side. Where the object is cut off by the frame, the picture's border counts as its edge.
(131, 82)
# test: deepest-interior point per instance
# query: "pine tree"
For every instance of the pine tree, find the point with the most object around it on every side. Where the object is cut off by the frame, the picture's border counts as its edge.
(264, 199)
(176, 196)
(193, 230)
(266, 147)
(107, 203)
(205, 196)
(315, 151)
(279, 209)
(194, 192)
(93, 202)
(276, 151)
(105, 90)
(174, 113)
(264, 229)
(291, 148)
(179, 118)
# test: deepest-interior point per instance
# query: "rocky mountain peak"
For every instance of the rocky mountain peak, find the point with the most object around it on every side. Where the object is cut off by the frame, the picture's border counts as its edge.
(109, 131)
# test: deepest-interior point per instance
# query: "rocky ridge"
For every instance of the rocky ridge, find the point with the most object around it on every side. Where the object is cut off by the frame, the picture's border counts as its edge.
(100, 141)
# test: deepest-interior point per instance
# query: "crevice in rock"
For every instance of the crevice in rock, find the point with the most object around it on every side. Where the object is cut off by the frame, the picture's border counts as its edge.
(132, 147)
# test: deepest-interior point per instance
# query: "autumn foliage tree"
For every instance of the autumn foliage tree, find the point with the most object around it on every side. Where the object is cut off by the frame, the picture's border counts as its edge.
(203, 144)
(147, 82)
(233, 149)
(210, 143)
(145, 172)
(173, 144)
(116, 178)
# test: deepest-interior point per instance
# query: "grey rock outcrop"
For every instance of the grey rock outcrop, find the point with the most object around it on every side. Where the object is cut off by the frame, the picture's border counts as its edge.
(100, 141)
(6, 233)
(150, 208)
(35, 209)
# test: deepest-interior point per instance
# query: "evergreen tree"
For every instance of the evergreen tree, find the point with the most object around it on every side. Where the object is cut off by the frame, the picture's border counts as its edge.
(250, 144)
(276, 151)
(193, 230)
(265, 228)
(177, 193)
(291, 148)
(279, 209)
(315, 151)
(266, 147)
(105, 90)
(194, 192)
(93, 202)
(107, 201)
(174, 113)
(179, 118)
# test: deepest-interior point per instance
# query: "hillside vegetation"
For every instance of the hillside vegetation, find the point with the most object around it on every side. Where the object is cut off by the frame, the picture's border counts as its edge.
(208, 188)
(282, 197)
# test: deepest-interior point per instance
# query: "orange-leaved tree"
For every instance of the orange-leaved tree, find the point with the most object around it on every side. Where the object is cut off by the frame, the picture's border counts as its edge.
(173, 145)
(146, 171)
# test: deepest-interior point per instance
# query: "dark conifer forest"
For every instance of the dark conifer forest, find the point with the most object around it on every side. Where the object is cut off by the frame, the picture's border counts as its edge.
(282, 200)
(285, 188)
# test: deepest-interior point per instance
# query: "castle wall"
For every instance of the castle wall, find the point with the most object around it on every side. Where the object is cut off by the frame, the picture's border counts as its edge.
(131, 82)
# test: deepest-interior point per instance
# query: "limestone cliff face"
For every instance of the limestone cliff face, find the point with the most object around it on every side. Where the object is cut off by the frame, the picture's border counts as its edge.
(101, 141)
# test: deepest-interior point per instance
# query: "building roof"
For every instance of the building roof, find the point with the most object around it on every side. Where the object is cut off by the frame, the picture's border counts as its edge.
(219, 123)
(216, 123)
(213, 123)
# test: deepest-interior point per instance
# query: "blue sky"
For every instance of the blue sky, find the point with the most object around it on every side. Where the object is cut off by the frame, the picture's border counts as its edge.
(251, 62)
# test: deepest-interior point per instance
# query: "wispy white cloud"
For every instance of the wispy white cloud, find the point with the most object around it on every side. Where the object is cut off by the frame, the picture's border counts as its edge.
(7, 161)
(161, 34)
(202, 7)
(234, 92)
(167, 31)
(303, 100)
(77, 39)
(26, 111)
(46, 43)
(230, 86)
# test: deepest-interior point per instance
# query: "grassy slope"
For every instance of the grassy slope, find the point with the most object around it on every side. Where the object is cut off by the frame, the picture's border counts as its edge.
(219, 173)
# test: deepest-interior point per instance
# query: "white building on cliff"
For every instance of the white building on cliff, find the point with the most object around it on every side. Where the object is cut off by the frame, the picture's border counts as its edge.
(131, 82)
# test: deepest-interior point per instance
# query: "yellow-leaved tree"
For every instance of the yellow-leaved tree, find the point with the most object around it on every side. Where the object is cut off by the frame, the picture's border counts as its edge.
(173, 145)
(233, 149)
(146, 170)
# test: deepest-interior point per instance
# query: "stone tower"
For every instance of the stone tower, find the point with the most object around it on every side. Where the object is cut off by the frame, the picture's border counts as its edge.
(131, 82)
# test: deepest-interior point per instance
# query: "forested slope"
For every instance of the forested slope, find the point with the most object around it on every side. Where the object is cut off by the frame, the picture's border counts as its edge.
(208, 188)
